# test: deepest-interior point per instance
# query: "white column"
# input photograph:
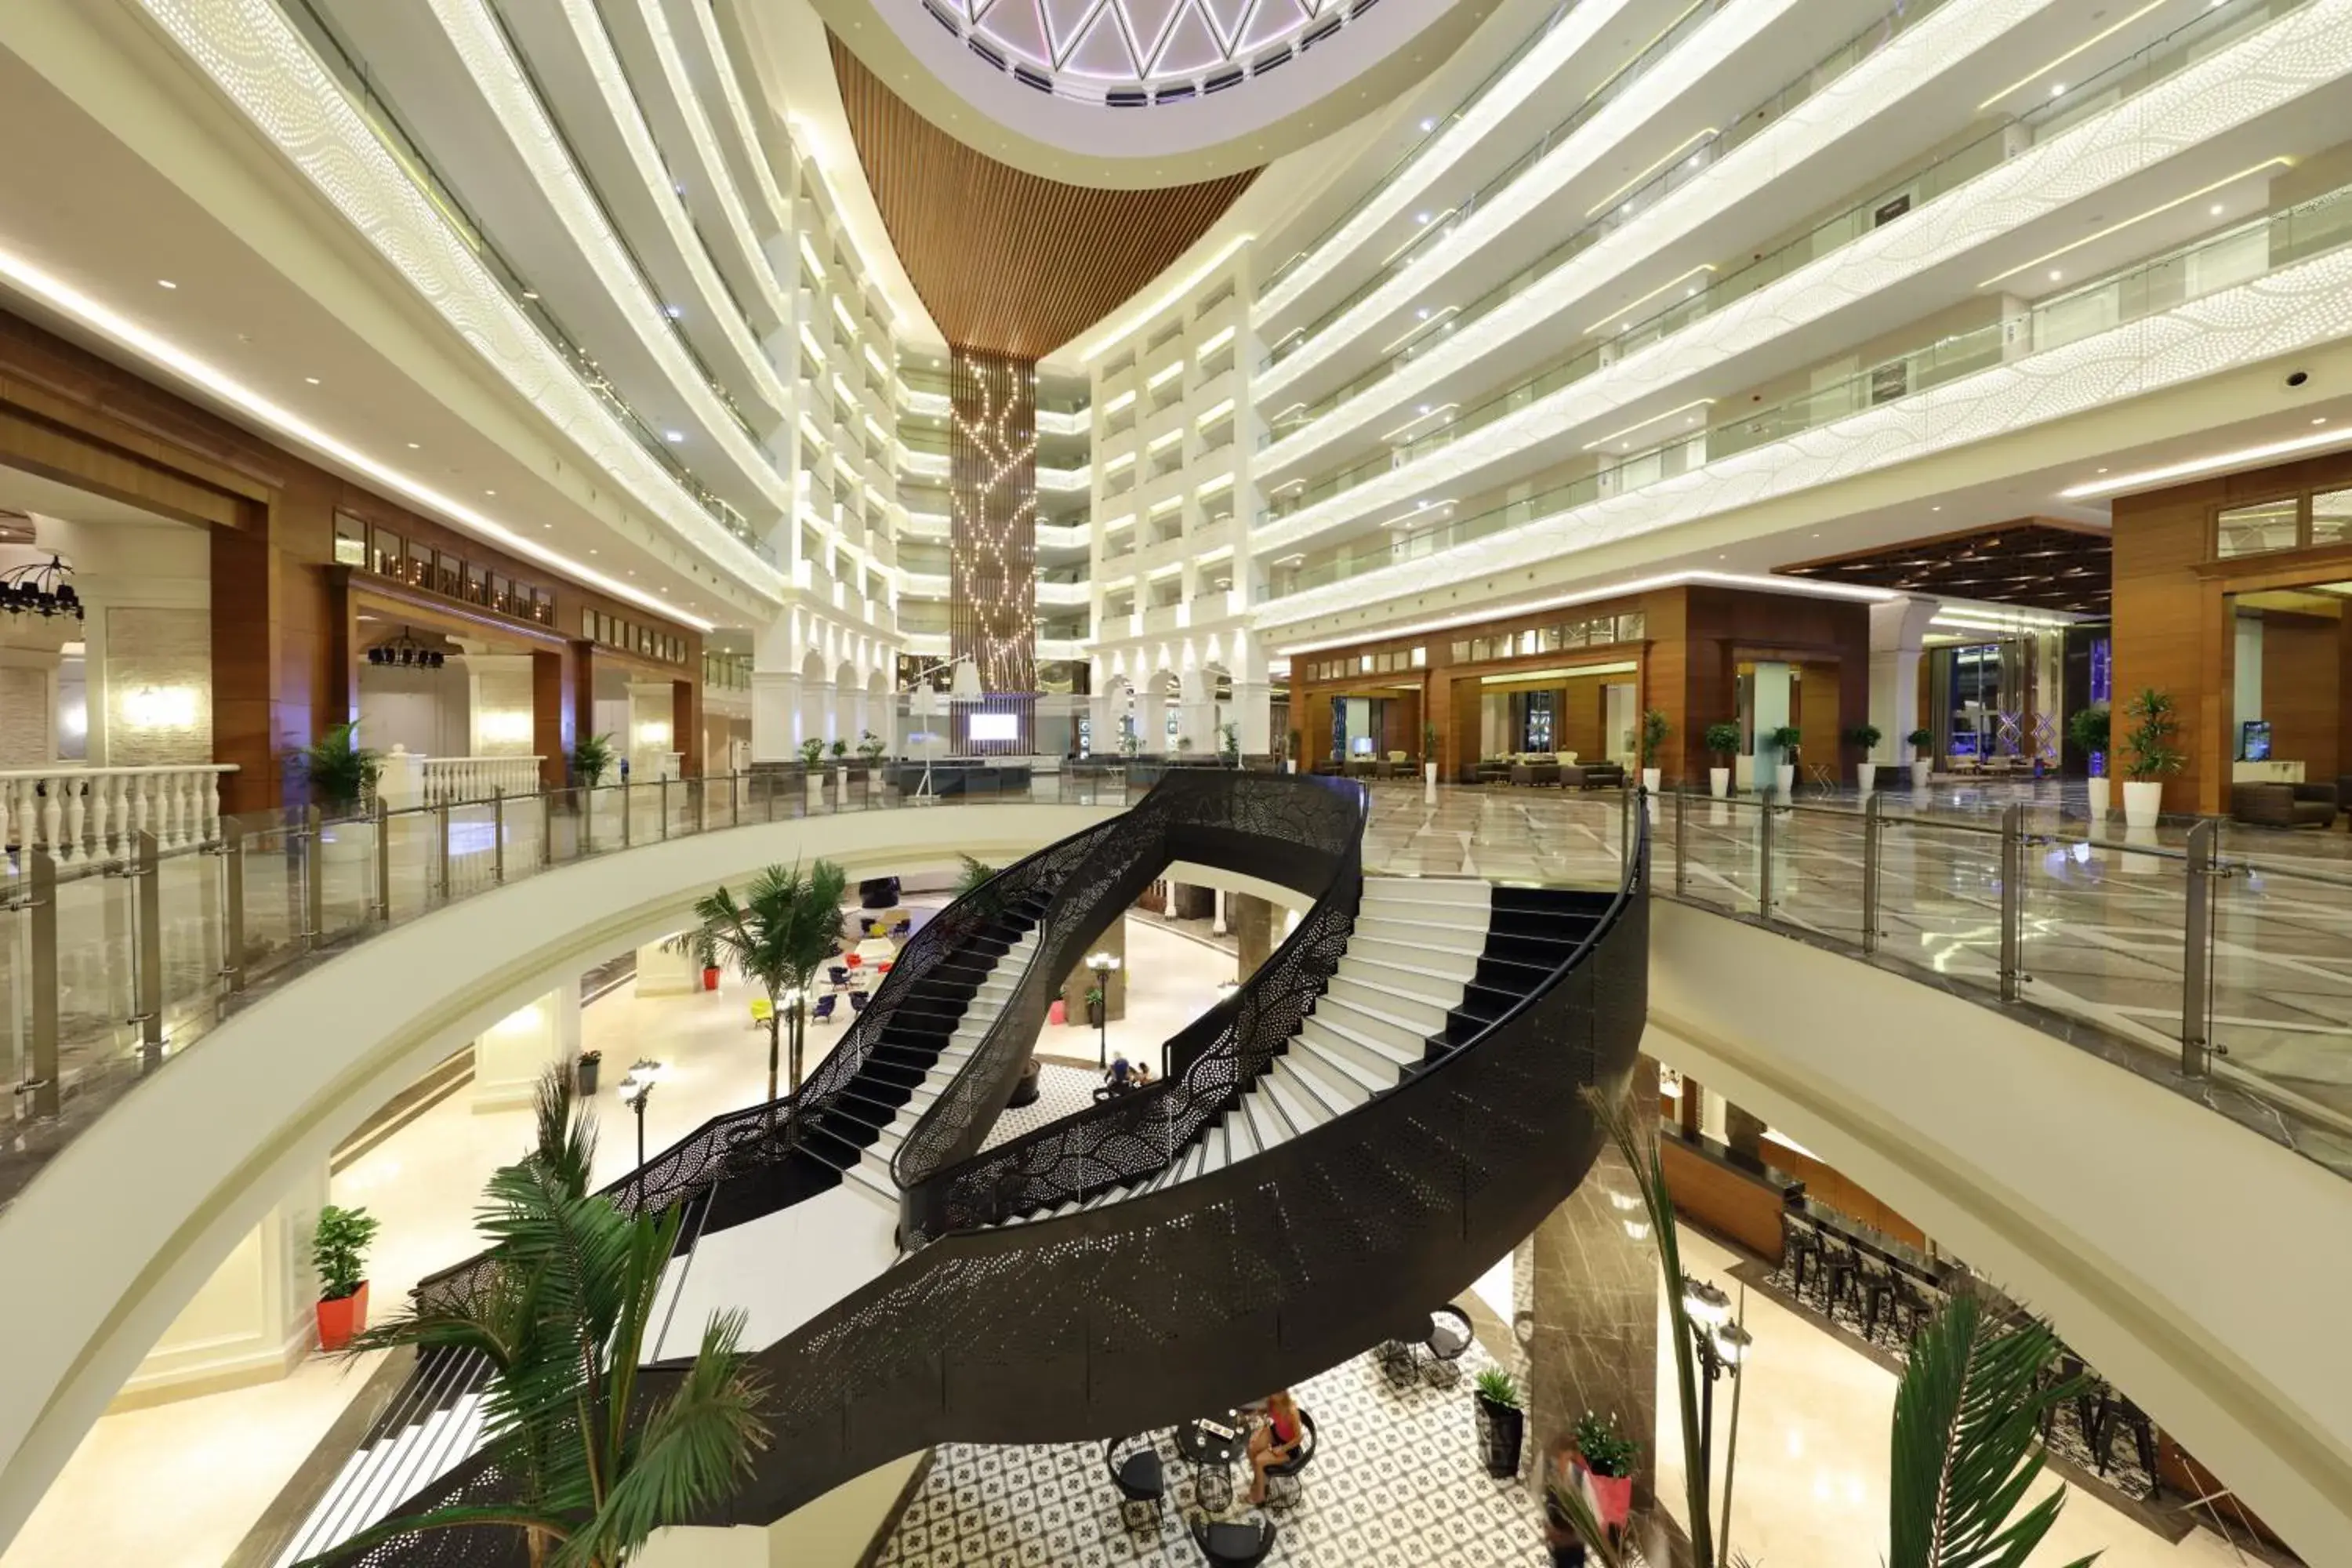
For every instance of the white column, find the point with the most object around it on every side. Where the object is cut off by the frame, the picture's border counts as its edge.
(1197, 715)
(251, 1322)
(1771, 713)
(1253, 712)
(513, 1055)
(775, 717)
(1896, 627)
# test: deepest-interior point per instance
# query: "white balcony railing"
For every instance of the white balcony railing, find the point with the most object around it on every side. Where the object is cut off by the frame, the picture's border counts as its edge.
(81, 814)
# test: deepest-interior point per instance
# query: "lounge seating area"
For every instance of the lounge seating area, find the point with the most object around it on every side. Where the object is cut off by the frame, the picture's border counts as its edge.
(2270, 805)
(1559, 770)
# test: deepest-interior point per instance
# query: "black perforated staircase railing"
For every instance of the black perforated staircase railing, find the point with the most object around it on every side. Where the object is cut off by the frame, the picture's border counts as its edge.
(1296, 832)
(1212, 1062)
(1137, 1314)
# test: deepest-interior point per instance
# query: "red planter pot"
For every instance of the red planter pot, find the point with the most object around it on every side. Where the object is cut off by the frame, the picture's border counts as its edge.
(1612, 1497)
(710, 978)
(342, 1318)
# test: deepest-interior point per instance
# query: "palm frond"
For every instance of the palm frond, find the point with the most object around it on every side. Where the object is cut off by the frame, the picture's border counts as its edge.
(695, 1446)
(566, 1135)
(1966, 1442)
(1564, 1497)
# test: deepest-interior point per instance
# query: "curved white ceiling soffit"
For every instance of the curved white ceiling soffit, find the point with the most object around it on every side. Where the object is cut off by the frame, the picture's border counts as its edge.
(1148, 92)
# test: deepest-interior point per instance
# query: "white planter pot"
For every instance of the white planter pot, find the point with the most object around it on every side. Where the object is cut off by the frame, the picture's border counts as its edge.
(1650, 777)
(1866, 775)
(1290, 766)
(1785, 778)
(2100, 804)
(1429, 783)
(814, 785)
(2143, 802)
(1719, 782)
(1919, 772)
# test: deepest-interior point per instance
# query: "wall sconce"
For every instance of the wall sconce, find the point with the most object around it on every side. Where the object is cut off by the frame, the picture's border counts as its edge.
(160, 707)
(654, 735)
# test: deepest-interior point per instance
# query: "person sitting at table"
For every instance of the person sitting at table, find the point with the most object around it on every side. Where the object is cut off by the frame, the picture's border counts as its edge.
(1273, 1442)
(1140, 1076)
(1120, 1075)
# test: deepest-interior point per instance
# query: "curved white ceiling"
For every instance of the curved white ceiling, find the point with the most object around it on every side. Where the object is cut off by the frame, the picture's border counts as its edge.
(1148, 92)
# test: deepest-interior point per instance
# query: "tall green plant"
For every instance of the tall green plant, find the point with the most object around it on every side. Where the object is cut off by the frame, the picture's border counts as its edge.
(592, 759)
(973, 875)
(787, 925)
(592, 1467)
(1788, 740)
(339, 1244)
(1655, 728)
(1968, 1443)
(338, 769)
(1722, 738)
(2147, 749)
(2089, 728)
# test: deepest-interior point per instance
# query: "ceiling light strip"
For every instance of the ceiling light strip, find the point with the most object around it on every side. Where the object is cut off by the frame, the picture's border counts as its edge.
(103, 319)
(2113, 228)
(2088, 43)
(2215, 463)
(1418, 328)
(1643, 423)
(1605, 203)
(1623, 315)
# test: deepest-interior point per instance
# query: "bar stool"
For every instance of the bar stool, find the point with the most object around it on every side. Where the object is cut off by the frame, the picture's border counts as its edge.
(1873, 1282)
(1801, 1247)
(1840, 1265)
(2115, 1410)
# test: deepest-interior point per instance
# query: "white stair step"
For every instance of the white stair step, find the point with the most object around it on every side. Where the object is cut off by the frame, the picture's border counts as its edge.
(1377, 1062)
(1423, 935)
(1241, 1138)
(1432, 890)
(1360, 1013)
(1300, 1106)
(1422, 1014)
(874, 1186)
(1443, 991)
(1213, 1142)
(1069, 1207)
(1455, 917)
(1410, 952)
(1334, 1074)
(1266, 1123)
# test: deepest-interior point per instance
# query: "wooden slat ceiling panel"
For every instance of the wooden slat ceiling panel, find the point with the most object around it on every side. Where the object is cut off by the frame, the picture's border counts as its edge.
(1007, 261)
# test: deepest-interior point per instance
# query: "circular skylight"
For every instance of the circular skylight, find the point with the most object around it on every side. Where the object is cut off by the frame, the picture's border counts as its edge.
(1130, 52)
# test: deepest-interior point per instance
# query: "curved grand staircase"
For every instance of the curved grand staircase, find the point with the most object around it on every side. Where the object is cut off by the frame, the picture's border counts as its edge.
(1387, 1105)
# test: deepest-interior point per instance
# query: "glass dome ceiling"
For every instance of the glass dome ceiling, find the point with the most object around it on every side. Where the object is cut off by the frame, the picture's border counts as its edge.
(1132, 52)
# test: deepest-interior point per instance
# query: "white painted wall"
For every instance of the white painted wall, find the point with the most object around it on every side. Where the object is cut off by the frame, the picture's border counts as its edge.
(2201, 1266)
(127, 1223)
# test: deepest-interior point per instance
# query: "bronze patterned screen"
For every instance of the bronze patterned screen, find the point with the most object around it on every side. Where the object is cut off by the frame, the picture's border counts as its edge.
(993, 542)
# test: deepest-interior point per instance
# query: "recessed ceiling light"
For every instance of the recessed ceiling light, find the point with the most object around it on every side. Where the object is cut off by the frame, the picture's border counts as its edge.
(1930, 508)
(674, 312)
(165, 283)
(415, 447)
(2055, 275)
(2102, 470)
(2321, 420)
(2216, 209)
(1429, 125)
(489, 492)
(592, 550)
(673, 436)
(2057, 90)
(313, 380)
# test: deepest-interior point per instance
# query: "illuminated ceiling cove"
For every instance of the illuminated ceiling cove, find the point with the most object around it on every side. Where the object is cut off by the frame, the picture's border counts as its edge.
(1142, 50)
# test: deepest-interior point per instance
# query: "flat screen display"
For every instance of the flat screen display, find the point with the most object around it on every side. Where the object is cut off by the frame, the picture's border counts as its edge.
(2254, 742)
(994, 727)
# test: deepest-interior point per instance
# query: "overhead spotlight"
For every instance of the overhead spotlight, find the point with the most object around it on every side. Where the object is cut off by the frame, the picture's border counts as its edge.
(165, 283)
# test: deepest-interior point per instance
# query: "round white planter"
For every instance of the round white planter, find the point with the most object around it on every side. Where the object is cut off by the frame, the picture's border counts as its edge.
(1866, 775)
(1650, 777)
(2099, 801)
(1429, 783)
(1785, 778)
(2143, 802)
(1290, 765)
(1719, 782)
(1919, 772)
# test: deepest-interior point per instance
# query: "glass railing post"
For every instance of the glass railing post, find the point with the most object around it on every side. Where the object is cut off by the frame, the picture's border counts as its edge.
(232, 854)
(499, 835)
(664, 805)
(587, 820)
(1682, 841)
(547, 827)
(147, 890)
(1763, 857)
(383, 861)
(441, 850)
(1872, 824)
(41, 912)
(314, 878)
(2013, 898)
(2196, 950)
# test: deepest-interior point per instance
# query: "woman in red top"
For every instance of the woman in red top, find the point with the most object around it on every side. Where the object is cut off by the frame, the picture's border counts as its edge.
(1274, 1442)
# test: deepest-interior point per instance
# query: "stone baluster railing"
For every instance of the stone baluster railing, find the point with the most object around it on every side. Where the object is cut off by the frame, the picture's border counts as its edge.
(478, 778)
(81, 813)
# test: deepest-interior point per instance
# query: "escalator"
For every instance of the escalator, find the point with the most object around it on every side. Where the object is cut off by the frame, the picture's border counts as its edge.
(1387, 1106)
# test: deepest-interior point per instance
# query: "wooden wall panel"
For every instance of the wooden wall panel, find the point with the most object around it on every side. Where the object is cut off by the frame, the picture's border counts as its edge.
(1008, 261)
(2300, 664)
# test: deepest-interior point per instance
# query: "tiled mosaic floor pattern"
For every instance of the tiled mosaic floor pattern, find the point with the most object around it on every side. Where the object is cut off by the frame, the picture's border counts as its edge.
(1396, 1482)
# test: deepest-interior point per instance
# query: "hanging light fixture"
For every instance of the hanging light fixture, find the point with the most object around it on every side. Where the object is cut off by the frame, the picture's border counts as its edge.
(407, 652)
(34, 589)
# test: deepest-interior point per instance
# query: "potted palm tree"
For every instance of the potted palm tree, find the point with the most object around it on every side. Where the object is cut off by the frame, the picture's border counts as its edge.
(1923, 758)
(2148, 755)
(1606, 1457)
(1290, 752)
(339, 1244)
(1786, 742)
(592, 758)
(1722, 740)
(1502, 1421)
(340, 772)
(813, 773)
(1655, 728)
(1429, 756)
(1865, 737)
(2089, 729)
(592, 1464)
(785, 928)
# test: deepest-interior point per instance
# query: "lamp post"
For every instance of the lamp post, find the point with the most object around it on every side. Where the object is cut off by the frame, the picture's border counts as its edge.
(635, 1089)
(1105, 965)
(1721, 1345)
(790, 999)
